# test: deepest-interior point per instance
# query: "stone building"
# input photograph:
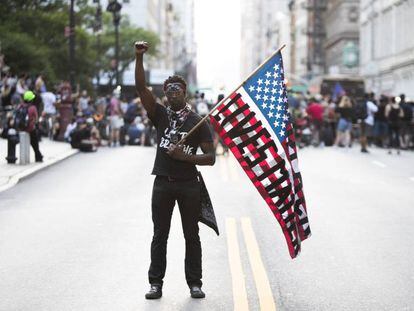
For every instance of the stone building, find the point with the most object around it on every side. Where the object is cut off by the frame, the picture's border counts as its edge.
(387, 46)
(342, 37)
(265, 27)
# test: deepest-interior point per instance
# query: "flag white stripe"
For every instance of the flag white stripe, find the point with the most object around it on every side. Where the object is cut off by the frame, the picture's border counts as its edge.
(259, 116)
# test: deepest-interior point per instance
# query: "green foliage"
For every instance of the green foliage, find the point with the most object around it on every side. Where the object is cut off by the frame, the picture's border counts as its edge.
(32, 40)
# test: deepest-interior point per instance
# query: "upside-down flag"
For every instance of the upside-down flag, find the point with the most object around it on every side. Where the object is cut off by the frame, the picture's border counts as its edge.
(254, 122)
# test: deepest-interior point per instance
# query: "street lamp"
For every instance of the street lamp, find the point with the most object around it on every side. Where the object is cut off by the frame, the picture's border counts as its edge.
(72, 43)
(115, 8)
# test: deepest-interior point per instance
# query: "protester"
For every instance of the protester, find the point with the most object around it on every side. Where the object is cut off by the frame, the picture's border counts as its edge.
(406, 122)
(367, 125)
(26, 119)
(346, 114)
(381, 123)
(176, 175)
(116, 121)
(394, 115)
(315, 112)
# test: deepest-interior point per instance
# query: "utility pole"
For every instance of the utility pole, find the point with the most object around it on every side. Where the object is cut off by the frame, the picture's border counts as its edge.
(115, 8)
(97, 30)
(72, 68)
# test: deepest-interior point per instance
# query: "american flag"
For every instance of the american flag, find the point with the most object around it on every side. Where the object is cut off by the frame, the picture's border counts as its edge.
(254, 122)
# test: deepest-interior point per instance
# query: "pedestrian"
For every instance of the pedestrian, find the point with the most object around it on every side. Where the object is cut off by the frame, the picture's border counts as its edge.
(115, 119)
(381, 123)
(49, 109)
(176, 175)
(367, 125)
(406, 122)
(345, 113)
(315, 112)
(394, 115)
(26, 119)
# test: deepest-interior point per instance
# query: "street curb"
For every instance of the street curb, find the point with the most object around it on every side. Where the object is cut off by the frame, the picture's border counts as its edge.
(15, 179)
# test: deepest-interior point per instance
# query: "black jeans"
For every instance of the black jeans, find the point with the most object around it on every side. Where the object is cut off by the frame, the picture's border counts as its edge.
(165, 194)
(34, 141)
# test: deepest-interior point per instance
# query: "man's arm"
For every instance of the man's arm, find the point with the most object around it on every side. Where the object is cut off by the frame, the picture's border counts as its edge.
(207, 158)
(144, 93)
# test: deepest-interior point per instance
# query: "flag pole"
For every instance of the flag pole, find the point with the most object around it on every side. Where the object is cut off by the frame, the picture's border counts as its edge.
(226, 98)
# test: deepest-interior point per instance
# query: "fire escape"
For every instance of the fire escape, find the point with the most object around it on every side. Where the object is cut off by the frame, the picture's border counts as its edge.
(316, 36)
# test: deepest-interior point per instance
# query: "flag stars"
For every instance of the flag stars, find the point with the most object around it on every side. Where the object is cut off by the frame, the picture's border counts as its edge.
(274, 91)
(276, 124)
(278, 115)
(265, 97)
(268, 74)
(282, 133)
(270, 114)
(260, 81)
(267, 82)
(266, 90)
(285, 118)
(251, 88)
(258, 97)
(281, 92)
(271, 106)
(264, 105)
(283, 125)
(273, 99)
(274, 83)
(279, 107)
(258, 89)
(280, 100)
(276, 67)
(276, 75)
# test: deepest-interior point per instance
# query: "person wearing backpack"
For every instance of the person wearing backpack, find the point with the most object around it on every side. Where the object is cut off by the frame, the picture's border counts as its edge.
(394, 115)
(26, 116)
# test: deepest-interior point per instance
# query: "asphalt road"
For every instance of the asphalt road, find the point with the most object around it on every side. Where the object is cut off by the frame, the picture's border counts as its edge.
(77, 235)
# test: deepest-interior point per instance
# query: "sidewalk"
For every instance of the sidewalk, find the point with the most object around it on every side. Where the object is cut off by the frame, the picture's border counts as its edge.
(53, 152)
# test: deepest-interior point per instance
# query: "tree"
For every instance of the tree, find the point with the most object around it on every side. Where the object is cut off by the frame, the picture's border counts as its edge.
(32, 39)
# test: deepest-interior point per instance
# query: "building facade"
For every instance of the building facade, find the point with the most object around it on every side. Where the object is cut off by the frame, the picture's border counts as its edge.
(342, 37)
(299, 40)
(173, 22)
(265, 27)
(387, 48)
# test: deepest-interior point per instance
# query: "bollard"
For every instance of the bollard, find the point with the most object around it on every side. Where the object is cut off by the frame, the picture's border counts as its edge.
(12, 140)
(24, 148)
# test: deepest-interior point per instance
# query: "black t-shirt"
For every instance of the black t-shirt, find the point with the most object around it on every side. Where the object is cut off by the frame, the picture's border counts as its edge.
(164, 165)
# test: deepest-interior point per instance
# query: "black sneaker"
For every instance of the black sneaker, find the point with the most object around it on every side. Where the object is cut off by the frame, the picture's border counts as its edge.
(155, 292)
(196, 292)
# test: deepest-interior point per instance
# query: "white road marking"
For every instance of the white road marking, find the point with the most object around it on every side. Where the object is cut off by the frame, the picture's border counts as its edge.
(380, 164)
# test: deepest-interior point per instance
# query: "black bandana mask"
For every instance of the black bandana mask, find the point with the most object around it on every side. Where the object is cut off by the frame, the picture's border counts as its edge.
(177, 119)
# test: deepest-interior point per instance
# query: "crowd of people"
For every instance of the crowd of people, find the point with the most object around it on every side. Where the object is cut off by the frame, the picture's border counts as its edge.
(384, 121)
(88, 122)
(84, 121)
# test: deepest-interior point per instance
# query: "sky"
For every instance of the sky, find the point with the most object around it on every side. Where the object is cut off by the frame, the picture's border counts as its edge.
(217, 33)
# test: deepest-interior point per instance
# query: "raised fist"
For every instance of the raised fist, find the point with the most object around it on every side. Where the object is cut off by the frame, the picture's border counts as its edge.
(141, 47)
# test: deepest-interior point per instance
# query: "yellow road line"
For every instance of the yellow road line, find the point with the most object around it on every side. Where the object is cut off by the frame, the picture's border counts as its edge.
(259, 272)
(239, 287)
